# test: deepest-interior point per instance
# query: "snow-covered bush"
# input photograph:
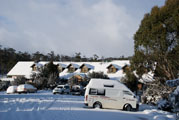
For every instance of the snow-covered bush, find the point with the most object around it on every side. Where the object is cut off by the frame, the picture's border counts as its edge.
(164, 105)
(155, 91)
(174, 99)
(173, 83)
(4, 85)
(174, 96)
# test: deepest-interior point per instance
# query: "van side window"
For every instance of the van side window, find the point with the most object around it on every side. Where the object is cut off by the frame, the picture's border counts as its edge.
(111, 86)
(126, 92)
(97, 91)
(101, 92)
(93, 91)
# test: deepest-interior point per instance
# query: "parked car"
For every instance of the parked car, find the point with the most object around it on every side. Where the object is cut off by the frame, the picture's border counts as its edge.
(61, 89)
(77, 90)
(11, 89)
(26, 88)
(101, 93)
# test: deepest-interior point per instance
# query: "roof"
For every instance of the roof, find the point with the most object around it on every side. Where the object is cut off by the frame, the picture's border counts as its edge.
(70, 75)
(116, 66)
(21, 69)
(87, 65)
(24, 68)
(100, 83)
(74, 65)
(62, 65)
(7, 79)
(37, 65)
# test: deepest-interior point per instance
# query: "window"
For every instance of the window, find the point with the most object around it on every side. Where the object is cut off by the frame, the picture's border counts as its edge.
(93, 91)
(71, 69)
(112, 69)
(97, 91)
(84, 69)
(60, 69)
(127, 92)
(59, 87)
(67, 87)
(111, 86)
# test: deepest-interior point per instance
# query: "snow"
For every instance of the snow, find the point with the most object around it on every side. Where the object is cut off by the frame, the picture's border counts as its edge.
(7, 79)
(116, 66)
(147, 77)
(99, 83)
(88, 66)
(11, 89)
(75, 65)
(99, 67)
(46, 106)
(22, 68)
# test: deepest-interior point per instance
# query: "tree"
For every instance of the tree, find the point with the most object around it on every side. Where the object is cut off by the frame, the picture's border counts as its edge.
(95, 57)
(48, 76)
(130, 80)
(77, 57)
(19, 80)
(37, 56)
(98, 75)
(157, 42)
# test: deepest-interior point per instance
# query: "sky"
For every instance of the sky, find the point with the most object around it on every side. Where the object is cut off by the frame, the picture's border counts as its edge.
(102, 27)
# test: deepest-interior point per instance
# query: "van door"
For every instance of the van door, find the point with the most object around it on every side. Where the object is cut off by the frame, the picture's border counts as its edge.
(128, 97)
(114, 99)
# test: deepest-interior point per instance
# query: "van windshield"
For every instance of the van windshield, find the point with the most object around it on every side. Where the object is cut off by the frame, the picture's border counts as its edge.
(59, 87)
(67, 87)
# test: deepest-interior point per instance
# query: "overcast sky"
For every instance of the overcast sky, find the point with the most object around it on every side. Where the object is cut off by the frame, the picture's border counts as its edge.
(102, 27)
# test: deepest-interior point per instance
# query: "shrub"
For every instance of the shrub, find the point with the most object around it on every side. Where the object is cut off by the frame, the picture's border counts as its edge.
(4, 85)
(19, 80)
(98, 75)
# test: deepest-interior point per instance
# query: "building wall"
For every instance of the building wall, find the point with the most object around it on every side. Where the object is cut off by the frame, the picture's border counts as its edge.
(112, 69)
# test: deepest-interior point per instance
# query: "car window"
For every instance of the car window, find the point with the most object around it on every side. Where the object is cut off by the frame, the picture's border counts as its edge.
(97, 91)
(67, 87)
(59, 87)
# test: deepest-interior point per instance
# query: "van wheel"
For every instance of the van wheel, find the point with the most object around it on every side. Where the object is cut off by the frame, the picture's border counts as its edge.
(128, 107)
(97, 105)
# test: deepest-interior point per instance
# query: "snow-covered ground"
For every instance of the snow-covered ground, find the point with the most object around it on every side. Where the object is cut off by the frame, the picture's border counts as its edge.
(46, 106)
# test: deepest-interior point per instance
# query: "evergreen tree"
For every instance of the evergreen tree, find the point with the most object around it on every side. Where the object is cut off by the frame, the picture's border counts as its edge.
(157, 42)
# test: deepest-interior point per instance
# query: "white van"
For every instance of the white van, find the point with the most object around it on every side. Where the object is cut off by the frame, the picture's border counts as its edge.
(103, 93)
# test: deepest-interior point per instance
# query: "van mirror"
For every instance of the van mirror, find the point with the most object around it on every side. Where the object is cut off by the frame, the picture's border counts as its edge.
(134, 96)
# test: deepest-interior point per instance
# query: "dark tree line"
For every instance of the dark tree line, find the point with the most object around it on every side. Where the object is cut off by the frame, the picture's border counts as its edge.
(9, 57)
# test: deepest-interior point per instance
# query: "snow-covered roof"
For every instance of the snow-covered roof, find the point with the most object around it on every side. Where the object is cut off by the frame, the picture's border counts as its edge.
(21, 69)
(116, 66)
(7, 79)
(25, 69)
(70, 75)
(38, 65)
(74, 65)
(62, 65)
(87, 65)
(101, 83)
